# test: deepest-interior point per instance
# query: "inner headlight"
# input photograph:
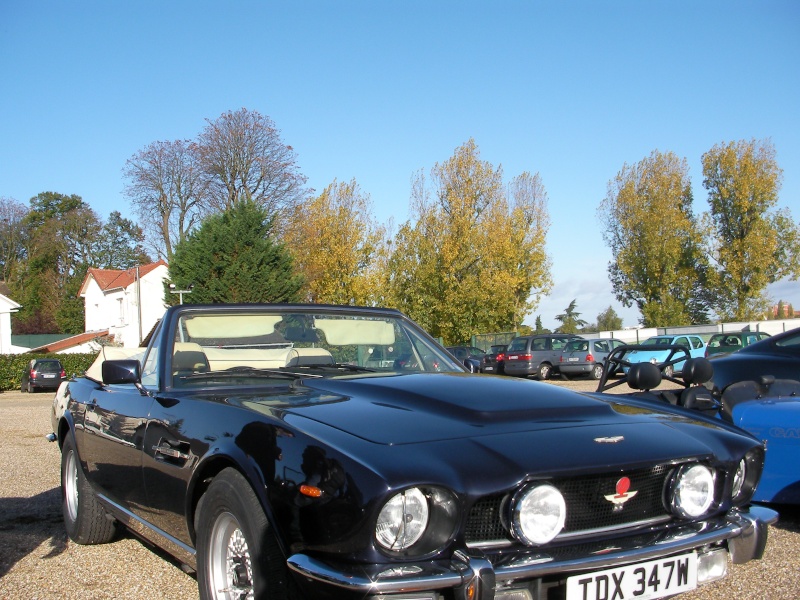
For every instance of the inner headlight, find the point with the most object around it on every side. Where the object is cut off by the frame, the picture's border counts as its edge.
(538, 514)
(693, 490)
(402, 520)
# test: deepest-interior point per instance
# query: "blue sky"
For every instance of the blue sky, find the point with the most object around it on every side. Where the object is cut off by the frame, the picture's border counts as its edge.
(378, 90)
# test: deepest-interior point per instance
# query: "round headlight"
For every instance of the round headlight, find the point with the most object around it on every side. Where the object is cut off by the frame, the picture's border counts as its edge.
(693, 491)
(539, 513)
(402, 520)
(738, 479)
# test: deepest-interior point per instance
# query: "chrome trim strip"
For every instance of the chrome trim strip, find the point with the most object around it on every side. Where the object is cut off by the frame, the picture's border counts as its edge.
(149, 531)
(746, 532)
(487, 544)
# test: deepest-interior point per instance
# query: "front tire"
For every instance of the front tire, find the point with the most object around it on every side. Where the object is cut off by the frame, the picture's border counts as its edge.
(238, 556)
(85, 519)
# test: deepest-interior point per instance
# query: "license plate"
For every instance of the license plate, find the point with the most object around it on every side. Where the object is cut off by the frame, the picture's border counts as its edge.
(572, 359)
(48, 375)
(643, 581)
(489, 368)
(513, 357)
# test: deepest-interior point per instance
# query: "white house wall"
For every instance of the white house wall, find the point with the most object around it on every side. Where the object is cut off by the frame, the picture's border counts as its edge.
(118, 309)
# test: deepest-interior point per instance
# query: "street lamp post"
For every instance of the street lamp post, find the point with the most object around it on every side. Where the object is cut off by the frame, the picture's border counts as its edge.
(180, 293)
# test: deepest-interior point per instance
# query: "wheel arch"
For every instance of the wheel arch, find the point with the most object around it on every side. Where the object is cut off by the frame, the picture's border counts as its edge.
(205, 473)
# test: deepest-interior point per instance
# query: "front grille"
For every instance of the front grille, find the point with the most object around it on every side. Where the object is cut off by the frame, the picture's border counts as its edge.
(587, 506)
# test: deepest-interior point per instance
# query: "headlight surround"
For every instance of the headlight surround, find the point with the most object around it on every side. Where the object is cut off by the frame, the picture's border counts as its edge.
(538, 513)
(692, 490)
(739, 478)
(416, 521)
(747, 476)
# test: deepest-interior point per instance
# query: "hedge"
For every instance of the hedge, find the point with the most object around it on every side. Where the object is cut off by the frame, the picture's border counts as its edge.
(13, 365)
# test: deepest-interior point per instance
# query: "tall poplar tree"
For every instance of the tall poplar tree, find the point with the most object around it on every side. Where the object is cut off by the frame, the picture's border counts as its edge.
(750, 243)
(654, 240)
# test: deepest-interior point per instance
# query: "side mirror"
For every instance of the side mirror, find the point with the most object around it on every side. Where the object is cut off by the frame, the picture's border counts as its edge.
(121, 371)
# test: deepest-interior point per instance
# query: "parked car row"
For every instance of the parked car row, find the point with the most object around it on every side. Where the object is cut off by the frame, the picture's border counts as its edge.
(543, 355)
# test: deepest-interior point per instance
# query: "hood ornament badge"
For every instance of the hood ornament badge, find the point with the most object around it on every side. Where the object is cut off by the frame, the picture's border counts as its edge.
(623, 494)
(614, 439)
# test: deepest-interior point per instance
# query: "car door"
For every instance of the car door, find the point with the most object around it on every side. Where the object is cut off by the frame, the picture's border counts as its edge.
(170, 453)
(115, 418)
(697, 346)
(684, 342)
(601, 350)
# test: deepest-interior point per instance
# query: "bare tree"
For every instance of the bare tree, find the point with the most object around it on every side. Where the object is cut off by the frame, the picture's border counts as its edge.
(165, 186)
(243, 158)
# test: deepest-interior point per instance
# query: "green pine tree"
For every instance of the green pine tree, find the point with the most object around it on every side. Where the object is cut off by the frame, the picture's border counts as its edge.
(234, 257)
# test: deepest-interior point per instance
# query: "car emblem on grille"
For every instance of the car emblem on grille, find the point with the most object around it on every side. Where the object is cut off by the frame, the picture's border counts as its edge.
(623, 494)
(614, 439)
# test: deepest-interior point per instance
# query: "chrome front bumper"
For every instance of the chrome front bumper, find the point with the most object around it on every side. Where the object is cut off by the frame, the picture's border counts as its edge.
(744, 531)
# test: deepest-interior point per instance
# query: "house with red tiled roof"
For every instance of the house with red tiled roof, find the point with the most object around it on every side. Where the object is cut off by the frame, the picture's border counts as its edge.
(88, 342)
(126, 303)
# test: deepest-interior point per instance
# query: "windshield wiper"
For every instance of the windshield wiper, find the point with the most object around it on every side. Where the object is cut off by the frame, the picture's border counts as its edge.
(235, 372)
(334, 367)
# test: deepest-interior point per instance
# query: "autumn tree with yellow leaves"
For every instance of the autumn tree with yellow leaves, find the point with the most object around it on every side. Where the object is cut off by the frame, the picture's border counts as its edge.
(473, 257)
(654, 237)
(336, 245)
(750, 244)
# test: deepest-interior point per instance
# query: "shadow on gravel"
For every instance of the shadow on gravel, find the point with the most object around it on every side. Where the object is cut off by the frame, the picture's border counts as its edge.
(788, 516)
(25, 523)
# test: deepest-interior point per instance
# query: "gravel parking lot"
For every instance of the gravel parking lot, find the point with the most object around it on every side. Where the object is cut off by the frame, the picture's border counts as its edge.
(37, 561)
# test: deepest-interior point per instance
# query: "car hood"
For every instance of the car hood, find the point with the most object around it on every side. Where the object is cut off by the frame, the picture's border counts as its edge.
(409, 409)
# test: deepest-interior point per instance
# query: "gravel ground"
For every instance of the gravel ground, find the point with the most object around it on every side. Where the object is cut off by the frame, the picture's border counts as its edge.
(37, 560)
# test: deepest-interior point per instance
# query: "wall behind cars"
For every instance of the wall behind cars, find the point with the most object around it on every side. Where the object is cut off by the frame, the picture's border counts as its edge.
(635, 336)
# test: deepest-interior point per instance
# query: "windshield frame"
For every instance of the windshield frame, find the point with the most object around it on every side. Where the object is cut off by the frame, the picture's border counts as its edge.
(306, 340)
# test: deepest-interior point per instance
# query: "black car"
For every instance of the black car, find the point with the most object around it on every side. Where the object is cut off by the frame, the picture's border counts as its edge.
(777, 356)
(296, 451)
(42, 374)
(470, 356)
(494, 361)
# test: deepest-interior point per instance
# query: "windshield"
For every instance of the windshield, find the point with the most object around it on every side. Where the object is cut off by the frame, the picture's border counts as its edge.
(213, 347)
(658, 341)
(577, 346)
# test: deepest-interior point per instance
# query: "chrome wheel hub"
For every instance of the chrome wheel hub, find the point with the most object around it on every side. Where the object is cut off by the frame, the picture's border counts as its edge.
(71, 487)
(229, 567)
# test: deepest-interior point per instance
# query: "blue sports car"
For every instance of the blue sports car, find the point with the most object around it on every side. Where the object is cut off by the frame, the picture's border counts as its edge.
(758, 388)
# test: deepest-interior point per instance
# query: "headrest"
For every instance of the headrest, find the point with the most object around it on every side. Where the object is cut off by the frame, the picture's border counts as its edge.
(643, 376)
(697, 370)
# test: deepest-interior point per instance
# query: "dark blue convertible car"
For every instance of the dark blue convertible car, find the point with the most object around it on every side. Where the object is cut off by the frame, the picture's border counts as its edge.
(292, 451)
